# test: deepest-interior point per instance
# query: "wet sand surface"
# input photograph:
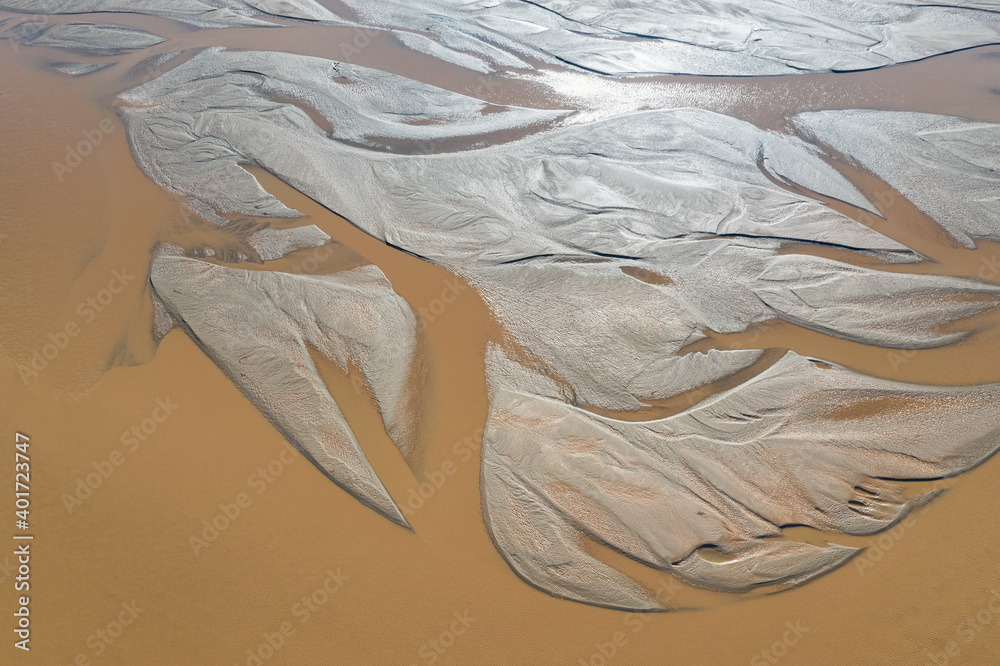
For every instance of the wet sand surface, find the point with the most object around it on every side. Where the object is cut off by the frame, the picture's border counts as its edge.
(439, 593)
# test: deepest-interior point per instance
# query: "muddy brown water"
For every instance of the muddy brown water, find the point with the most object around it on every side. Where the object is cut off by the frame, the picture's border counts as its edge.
(439, 593)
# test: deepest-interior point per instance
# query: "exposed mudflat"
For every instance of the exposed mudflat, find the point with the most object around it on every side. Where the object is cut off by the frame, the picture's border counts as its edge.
(515, 339)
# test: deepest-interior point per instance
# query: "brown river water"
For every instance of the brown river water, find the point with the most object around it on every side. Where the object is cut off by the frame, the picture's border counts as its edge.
(439, 593)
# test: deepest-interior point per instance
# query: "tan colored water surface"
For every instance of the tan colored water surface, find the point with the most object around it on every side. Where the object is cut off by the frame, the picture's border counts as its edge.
(307, 575)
